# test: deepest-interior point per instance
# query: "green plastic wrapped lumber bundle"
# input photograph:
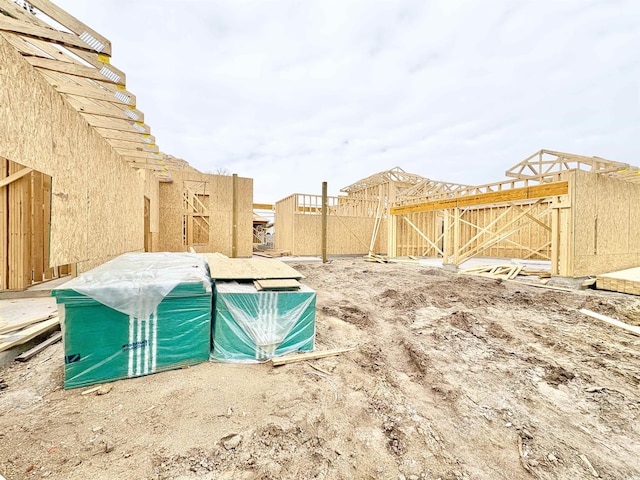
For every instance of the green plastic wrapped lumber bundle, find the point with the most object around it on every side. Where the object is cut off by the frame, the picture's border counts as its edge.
(138, 314)
(251, 326)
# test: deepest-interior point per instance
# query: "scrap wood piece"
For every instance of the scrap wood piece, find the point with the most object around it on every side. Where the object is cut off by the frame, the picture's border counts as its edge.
(91, 390)
(542, 285)
(308, 356)
(285, 284)
(589, 466)
(612, 321)
(11, 327)
(224, 268)
(403, 260)
(376, 258)
(29, 333)
(263, 254)
(23, 357)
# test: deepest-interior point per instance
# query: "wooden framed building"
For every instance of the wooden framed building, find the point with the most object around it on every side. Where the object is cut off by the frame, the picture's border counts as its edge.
(81, 177)
(577, 212)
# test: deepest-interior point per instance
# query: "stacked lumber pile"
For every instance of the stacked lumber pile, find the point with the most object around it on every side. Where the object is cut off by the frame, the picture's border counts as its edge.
(272, 253)
(623, 281)
(18, 333)
(384, 259)
(504, 272)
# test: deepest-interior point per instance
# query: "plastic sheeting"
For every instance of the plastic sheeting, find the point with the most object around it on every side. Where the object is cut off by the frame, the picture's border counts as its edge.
(251, 326)
(135, 283)
(110, 333)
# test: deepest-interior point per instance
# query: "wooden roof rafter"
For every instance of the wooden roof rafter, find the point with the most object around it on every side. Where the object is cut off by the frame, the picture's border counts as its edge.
(396, 175)
(429, 187)
(77, 64)
(545, 165)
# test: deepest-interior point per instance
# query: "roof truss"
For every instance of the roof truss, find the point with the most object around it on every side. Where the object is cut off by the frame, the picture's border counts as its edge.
(77, 64)
(396, 174)
(545, 165)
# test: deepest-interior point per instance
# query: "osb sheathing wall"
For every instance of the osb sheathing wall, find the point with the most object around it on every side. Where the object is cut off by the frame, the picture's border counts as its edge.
(152, 192)
(301, 233)
(606, 224)
(219, 191)
(97, 198)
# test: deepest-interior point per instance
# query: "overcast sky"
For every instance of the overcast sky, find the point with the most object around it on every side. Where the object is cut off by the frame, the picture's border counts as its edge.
(294, 92)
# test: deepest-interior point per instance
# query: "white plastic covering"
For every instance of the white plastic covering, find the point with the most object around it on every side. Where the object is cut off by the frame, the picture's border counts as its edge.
(265, 317)
(136, 283)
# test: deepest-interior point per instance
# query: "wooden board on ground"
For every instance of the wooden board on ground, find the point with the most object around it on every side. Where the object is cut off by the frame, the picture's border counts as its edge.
(505, 272)
(223, 268)
(284, 284)
(14, 326)
(299, 357)
(23, 357)
(23, 336)
(611, 321)
(624, 281)
(272, 253)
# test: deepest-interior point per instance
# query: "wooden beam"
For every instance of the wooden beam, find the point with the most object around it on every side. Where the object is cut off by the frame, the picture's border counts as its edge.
(111, 134)
(234, 217)
(88, 36)
(8, 24)
(121, 97)
(116, 124)
(23, 357)
(101, 62)
(104, 109)
(264, 206)
(300, 357)
(129, 145)
(139, 154)
(29, 333)
(324, 222)
(431, 243)
(15, 176)
(526, 193)
(611, 321)
(74, 69)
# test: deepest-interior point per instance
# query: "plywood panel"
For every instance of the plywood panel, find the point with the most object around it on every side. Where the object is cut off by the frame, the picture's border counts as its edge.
(284, 223)
(217, 191)
(224, 268)
(607, 225)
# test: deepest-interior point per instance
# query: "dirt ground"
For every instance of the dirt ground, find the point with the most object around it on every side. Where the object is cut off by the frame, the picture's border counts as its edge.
(454, 377)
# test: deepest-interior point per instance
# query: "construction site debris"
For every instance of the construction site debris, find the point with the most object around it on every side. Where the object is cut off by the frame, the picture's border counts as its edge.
(611, 321)
(301, 357)
(449, 372)
(23, 357)
(23, 335)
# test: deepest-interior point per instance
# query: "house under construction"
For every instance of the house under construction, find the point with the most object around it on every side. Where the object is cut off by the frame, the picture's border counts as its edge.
(575, 211)
(82, 179)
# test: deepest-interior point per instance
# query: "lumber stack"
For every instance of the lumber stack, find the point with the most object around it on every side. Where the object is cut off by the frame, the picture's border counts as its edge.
(624, 281)
(504, 272)
(19, 333)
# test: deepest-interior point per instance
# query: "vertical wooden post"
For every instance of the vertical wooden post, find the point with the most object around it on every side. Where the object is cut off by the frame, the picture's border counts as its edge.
(4, 227)
(555, 240)
(456, 236)
(234, 221)
(324, 222)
